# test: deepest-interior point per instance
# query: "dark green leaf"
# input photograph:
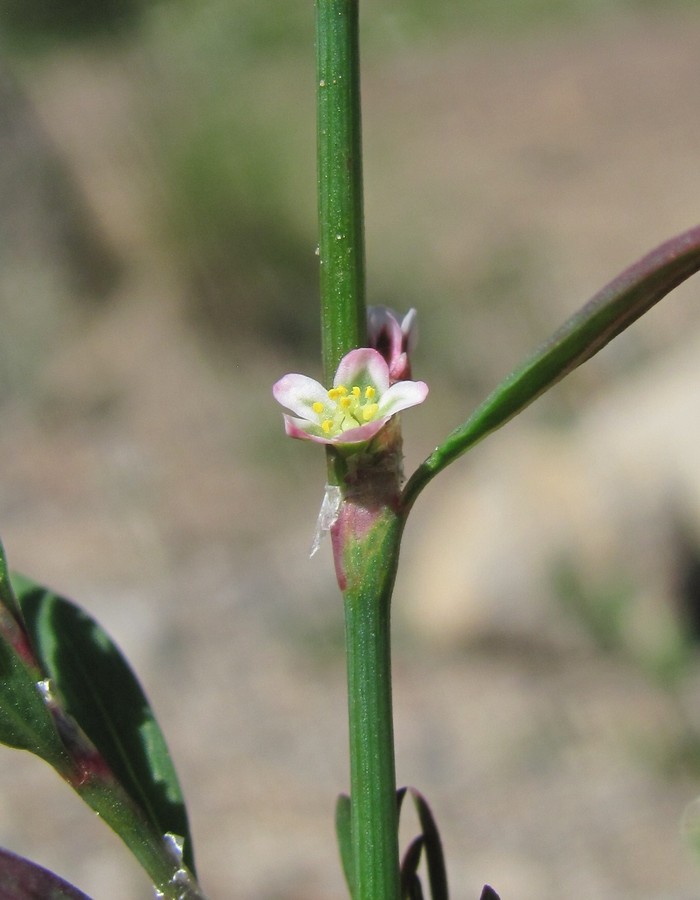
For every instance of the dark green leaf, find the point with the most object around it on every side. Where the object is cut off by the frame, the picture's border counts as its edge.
(24, 880)
(344, 836)
(25, 721)
(400, 794)
(488, 893)
(410, 883)
(7, 595)
(433, 848)
(99, 690)
(610, 311)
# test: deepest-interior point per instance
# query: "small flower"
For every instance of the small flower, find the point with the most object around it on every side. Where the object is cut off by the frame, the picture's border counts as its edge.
(355, 409)
(394, 337)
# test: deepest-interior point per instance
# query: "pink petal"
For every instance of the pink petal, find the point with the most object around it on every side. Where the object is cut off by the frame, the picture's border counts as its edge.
(382, 321)
(307, 431)
(363, 367)
(400, 368)
(298, 393)
(362, 433)
(402, 395)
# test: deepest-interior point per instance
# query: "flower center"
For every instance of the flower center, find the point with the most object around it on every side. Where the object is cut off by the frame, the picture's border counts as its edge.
(346, 408)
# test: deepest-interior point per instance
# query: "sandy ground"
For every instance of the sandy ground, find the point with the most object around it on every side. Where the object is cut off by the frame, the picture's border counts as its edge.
(134, 485)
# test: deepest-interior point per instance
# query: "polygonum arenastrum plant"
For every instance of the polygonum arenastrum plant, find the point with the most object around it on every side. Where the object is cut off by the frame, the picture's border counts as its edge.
(355, 409)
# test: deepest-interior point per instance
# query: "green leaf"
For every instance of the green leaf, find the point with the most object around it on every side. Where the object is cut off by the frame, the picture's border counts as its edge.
(99, 690)
(610, 311)
(410, 882)
(434, 856)
(21, 879)
(7, 595)
(25, 721)
(488, 893)
(344, 836)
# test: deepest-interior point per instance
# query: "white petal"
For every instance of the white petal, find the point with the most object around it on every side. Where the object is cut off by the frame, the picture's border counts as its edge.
(363, 367)
(402, 395)
(409, 331)
(298, 393)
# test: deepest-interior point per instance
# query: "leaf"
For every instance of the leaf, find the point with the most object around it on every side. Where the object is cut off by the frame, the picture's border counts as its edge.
(607, 314)
(410, 883)
(99, 690)
(488, 893)
(21, 879)
(25, 721)
(434, 856)
(344, 836)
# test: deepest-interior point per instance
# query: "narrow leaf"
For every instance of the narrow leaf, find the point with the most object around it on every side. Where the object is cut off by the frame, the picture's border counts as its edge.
(607, 314)
(400, 794)
(434, 856)
(488, 893)
(99, 690)
(344, 837)
(21, 879)
(409, 869)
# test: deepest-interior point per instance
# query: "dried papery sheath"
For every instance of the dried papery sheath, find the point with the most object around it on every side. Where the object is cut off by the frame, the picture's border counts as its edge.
(327, 516)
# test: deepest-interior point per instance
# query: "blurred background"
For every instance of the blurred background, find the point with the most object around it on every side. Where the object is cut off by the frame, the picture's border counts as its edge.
(158, 274)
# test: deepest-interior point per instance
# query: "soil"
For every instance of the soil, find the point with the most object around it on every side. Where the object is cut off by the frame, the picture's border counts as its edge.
(148, 480)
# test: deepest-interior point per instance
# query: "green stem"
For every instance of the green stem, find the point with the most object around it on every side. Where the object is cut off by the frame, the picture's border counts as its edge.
(374, 818)
(169, 876)
(340, 205)
(366, 583)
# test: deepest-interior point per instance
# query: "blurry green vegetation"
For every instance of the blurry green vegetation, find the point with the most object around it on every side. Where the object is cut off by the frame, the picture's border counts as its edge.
(44, 22)
(606, 611)
(224, 86)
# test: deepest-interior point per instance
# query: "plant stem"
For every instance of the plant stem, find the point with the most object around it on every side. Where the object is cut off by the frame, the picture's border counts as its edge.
(374, 818)
(368, 563)
(340, 204)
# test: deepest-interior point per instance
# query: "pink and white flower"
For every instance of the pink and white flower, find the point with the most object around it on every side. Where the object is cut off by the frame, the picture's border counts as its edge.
(394, 337)
(355, 409)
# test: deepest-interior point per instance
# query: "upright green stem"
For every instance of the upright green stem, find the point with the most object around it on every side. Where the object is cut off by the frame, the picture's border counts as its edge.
(374, 818)
(340, 204)
(366, 538)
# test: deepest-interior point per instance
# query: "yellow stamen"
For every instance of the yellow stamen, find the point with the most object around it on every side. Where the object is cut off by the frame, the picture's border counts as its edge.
(369, 392)
(334, 393)
(370, 411)
(326, 425)
(356, 391)
(317, 407)
(345, 402)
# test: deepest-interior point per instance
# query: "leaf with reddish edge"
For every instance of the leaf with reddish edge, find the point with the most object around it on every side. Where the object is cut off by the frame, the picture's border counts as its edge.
(21, 879)
(25, 721)
(607, 314)
(98, 689)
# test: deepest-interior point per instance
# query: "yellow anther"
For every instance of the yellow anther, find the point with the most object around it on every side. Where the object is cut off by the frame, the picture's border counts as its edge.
(317, 407)
(334, 393)
(341, 390)
(345, 402)
(356, 391)
(369, 392)
(370, 411)
(326, 425)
